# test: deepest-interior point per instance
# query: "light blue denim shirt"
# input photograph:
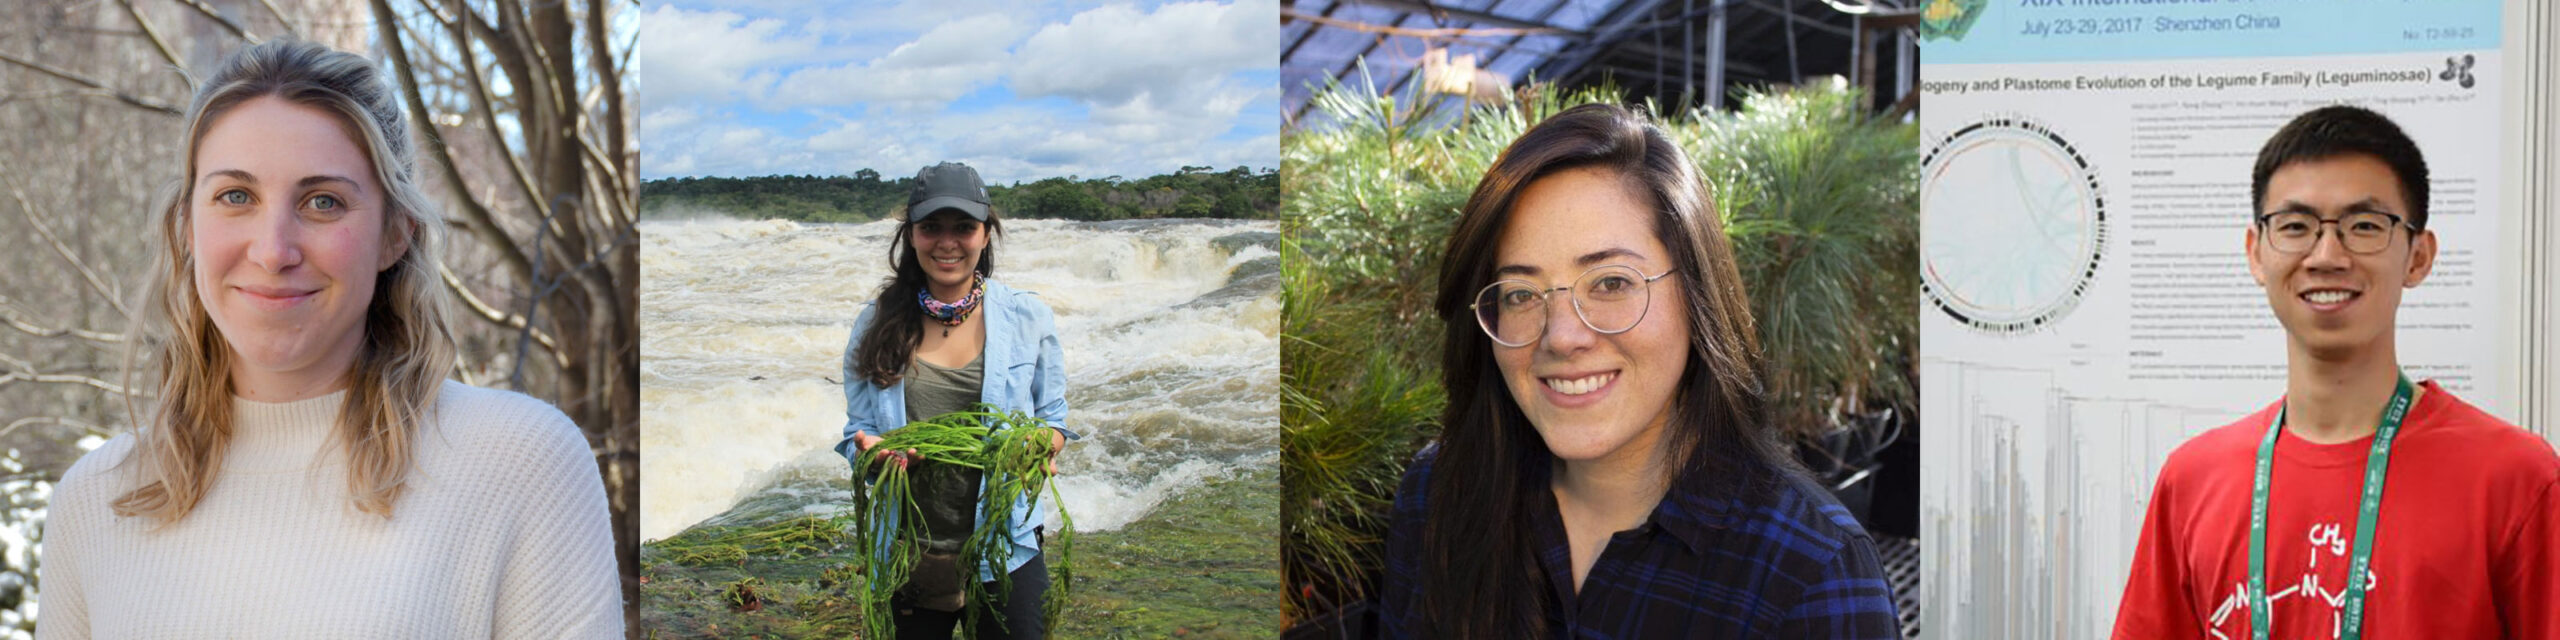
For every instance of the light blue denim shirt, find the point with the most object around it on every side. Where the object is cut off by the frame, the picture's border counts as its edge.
(1026, 371)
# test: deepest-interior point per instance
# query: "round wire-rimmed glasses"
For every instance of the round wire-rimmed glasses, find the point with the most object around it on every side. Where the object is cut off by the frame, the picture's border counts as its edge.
(2298, 231)
(1609, 299)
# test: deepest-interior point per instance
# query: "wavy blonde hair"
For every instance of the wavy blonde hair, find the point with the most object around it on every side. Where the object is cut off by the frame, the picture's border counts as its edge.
(408, 346)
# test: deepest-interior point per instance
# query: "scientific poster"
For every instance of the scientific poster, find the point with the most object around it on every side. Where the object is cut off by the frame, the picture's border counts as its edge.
(2087, 304)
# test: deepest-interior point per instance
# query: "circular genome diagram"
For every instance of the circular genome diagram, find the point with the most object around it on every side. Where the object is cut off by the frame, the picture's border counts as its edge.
(2012, 225)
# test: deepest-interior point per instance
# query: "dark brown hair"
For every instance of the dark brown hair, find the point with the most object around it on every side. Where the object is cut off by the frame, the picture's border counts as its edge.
(1479, 489)
(897, 322)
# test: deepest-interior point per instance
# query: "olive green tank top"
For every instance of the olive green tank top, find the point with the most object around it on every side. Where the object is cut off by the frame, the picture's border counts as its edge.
(948, 494)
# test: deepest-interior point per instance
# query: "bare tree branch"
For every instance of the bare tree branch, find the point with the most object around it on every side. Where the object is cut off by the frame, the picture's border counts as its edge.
(28, 210)
(17, 319)
(500, 42)
(532, 71)
(74, 78)
(608, 78)
(61, 378)
(27, 372)
(289, 29)
(435, 65)
(219, 19)
(148, 33)
(482, 222)
(612, 182)
(480, 102)
(530, 45)
(75, 423)
(619, 241)
(491, 313)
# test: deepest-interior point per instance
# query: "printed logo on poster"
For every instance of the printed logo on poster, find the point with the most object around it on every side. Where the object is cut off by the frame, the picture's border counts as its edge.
(1949, 19)
(2457, 69)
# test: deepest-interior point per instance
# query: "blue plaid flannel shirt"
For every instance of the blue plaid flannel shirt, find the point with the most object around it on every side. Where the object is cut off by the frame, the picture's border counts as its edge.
(1794, 565)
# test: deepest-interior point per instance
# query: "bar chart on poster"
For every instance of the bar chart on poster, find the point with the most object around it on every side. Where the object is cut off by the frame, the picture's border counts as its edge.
(2087, 307)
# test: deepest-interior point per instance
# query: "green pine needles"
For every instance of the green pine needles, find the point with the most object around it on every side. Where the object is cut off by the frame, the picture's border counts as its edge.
(1012, 449)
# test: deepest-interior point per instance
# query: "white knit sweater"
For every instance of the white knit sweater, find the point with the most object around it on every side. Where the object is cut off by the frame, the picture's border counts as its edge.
(501, 532)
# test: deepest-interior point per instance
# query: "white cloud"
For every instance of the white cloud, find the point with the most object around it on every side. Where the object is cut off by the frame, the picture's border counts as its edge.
(712, 56)
(1028, 145)
(679, 141)
(1208, 110)
(946, 62)
(1116, 54)
(659, 131)
(666, 119)
(1144, 91)
(924, 14)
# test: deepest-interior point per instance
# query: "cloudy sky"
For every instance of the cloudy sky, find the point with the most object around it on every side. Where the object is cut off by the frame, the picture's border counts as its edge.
(1022, 90)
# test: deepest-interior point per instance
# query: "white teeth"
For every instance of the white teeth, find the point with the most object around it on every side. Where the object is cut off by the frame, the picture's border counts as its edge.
(1579, 386)
(2327, 296)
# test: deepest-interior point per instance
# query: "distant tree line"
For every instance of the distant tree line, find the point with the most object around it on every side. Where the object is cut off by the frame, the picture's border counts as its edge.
(1193, 192)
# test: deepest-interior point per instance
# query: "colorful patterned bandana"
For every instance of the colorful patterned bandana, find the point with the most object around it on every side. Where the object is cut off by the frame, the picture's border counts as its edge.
(953, 313)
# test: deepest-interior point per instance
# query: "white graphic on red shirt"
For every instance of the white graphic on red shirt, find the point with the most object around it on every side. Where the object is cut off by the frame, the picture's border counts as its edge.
(2326, 540)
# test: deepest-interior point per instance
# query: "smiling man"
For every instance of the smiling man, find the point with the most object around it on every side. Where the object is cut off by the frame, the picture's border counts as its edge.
(2280, 524)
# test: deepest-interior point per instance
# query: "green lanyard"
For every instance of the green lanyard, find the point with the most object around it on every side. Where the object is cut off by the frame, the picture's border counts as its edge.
(2374, 464)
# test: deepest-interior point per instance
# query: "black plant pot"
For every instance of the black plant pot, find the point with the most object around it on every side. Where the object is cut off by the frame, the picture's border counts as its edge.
(1354, 621)
(1856, 490)
(1846, 460)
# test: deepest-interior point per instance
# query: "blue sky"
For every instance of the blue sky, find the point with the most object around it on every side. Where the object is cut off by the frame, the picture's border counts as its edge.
(1020, 90)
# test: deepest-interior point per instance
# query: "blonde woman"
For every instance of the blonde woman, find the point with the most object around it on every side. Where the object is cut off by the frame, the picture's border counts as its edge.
(306, 470)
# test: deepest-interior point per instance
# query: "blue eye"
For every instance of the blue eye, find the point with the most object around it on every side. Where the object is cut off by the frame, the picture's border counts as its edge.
(234, 197)
(326, 202)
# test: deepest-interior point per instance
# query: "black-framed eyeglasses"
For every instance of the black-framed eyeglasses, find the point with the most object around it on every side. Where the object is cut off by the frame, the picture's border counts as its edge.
(2359, 232)
(1609, 299)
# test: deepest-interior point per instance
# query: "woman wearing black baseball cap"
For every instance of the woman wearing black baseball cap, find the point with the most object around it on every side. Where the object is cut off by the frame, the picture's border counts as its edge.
(943, 335)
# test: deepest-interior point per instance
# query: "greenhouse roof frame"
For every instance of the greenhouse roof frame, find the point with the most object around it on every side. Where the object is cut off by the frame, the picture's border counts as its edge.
(1635, 45)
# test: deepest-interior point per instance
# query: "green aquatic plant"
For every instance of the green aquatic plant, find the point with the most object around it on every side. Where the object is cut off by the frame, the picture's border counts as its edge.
(741, 595)
(797, 537)
(1013, 451)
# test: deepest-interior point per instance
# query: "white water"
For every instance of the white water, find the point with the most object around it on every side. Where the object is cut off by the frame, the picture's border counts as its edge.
(1171, 341)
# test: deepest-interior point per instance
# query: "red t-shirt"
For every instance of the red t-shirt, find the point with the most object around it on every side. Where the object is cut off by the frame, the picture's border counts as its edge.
(2469, 544)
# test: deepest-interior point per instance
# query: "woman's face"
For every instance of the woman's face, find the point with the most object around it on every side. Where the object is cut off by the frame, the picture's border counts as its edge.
(287, 221)
(1592, 396)
(948, 243)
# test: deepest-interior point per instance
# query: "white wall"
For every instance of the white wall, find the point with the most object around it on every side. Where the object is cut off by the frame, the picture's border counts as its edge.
(2532, 158)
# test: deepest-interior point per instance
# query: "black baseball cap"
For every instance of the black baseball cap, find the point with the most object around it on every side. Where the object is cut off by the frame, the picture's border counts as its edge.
(948, 185)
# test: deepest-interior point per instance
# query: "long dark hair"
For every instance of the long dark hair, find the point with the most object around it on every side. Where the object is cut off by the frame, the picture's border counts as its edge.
(1480, 489)
(897, 322)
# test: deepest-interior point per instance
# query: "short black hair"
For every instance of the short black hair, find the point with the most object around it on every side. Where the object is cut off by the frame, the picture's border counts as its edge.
(2339, 130)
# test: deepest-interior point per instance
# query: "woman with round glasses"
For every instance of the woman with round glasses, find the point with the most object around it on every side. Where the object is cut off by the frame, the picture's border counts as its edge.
(1605, 469)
